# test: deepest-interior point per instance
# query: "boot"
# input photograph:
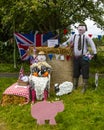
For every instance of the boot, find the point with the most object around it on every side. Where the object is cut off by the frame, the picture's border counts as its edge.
(85, 85)
(45, 94)
(75, 83)
(33, 96)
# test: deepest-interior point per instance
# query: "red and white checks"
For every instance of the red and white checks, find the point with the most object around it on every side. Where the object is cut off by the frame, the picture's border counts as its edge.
(18, 90)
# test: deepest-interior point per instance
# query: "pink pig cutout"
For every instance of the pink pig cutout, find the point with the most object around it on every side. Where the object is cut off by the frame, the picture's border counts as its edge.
(45, 110)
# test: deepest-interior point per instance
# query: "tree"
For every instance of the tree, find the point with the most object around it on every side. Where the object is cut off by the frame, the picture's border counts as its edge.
(46, 15)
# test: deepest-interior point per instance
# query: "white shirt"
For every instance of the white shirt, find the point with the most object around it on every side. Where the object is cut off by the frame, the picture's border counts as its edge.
(87, 42)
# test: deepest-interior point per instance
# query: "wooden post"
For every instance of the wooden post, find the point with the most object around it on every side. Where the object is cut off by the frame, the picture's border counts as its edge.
(14, 52)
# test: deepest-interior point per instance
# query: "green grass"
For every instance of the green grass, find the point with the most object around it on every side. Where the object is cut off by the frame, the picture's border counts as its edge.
(82, 111)
(6, 67)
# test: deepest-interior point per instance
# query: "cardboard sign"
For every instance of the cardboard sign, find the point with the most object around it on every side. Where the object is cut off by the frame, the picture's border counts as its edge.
(52, 42)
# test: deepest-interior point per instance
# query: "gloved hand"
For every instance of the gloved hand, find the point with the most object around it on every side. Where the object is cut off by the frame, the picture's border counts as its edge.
(95, 56)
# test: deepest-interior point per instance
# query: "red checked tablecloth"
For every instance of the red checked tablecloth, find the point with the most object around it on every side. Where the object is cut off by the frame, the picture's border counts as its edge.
(18, 90)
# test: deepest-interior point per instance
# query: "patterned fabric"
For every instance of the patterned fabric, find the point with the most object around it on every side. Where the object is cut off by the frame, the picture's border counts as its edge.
(33, 60)
(15, 89)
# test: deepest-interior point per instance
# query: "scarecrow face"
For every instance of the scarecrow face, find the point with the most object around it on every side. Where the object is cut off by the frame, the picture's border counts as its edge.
(81, 29)
(41, 58)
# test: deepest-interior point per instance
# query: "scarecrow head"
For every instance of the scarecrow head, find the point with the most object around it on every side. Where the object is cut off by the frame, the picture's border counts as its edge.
(82, 28)
(41, 56)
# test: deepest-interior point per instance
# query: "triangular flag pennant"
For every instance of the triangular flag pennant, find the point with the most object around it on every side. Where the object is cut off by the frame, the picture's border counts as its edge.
(62, 57)
(50, 56)
(72, 32)
(67, 57)
(99, 37)
(90, 35)
(65, 31)
(57, 56)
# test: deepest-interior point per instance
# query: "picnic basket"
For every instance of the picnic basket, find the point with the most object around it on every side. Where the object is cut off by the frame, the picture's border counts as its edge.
(22, 83)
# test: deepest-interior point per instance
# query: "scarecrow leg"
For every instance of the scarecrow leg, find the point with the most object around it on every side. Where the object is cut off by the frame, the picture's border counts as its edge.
(33, 95)
(75, 83)
(85, 85)
(45, 94)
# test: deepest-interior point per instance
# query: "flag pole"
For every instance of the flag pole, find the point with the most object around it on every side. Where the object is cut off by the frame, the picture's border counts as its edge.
(14, 51)
(14, 55)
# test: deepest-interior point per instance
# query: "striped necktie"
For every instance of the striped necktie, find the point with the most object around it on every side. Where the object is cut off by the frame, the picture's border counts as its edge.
(79, 42)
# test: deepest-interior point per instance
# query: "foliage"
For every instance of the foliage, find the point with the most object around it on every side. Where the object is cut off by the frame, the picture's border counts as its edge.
(99, 42)
(97, 65)
(9, 68)
(82, 111)
(46, 15)
(7, 52)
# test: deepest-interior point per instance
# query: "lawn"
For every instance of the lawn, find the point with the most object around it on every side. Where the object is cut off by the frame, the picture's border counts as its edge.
(82, 111)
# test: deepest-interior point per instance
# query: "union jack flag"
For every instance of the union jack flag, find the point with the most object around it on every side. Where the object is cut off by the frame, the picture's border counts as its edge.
(41, 39)
(21, 73)
(25, 40)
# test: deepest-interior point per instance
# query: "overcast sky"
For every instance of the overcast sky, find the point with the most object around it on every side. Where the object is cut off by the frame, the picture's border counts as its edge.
(92, 29)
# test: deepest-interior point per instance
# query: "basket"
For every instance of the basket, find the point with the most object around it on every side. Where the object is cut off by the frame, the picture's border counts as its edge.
(21, 83)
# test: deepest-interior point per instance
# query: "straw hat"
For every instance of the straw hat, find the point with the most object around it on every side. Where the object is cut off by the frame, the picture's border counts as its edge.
(41, 53)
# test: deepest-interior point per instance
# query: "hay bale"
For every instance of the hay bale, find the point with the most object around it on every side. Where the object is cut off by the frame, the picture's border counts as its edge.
(62, 70)
(12, 99)
(60, 50)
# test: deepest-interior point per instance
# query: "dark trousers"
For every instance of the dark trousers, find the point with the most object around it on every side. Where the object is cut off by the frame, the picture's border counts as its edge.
(81, 66)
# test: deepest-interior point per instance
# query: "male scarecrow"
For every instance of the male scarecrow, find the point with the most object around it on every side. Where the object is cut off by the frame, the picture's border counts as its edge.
(80, 43)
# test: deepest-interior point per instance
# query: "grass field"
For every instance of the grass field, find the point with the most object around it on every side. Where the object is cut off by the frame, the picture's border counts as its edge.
(82, 111)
